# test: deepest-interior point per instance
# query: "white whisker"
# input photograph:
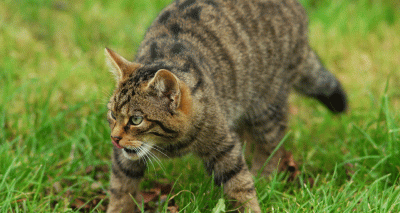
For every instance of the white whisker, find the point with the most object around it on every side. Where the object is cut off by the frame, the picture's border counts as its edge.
(155, 157)
(143, 153)
(157, 148)
(140, 155)
(148, 157)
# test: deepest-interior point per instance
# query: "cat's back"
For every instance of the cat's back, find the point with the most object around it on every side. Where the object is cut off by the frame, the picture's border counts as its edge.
(242, 48)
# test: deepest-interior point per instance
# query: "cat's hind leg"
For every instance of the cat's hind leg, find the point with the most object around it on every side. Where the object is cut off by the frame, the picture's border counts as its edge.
(266, 127)
(223, 157)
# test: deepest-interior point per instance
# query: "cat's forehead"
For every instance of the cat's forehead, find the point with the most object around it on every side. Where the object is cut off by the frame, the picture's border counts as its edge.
(123, 100)
(129, 100)
(131, 95)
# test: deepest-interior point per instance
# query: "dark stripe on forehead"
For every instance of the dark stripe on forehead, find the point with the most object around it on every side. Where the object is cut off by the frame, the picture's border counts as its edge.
(194, 13)
(212, 3)
(146, 73)
(187, 3)
(175, 29)
(164, 17)
(123, 91)
(143, 75)
(123, 101)
(153, 51)
(177, 48)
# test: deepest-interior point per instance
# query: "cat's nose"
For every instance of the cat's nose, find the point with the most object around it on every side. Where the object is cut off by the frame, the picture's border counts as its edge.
(115, 140)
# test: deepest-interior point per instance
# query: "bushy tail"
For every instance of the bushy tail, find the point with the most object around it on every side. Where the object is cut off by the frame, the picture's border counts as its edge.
(317, 82)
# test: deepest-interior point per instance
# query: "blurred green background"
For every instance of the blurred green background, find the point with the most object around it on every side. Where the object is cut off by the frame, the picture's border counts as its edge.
(54, 84)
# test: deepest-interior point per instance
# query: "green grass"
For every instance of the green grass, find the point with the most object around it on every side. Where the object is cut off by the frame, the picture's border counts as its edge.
(54, 84)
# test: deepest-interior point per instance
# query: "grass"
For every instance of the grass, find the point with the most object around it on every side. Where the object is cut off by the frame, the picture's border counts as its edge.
(54, 150)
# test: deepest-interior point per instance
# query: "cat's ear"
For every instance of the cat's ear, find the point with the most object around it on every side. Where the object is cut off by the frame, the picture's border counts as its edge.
(119, 66)
(165, 85)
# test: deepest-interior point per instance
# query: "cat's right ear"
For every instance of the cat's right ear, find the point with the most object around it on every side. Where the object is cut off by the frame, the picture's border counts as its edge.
(119, 66)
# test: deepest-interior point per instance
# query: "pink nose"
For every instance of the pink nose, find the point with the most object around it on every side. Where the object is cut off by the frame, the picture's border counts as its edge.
(115, 140)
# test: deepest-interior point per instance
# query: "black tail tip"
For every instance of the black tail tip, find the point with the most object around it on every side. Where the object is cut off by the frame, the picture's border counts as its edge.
(336, 101)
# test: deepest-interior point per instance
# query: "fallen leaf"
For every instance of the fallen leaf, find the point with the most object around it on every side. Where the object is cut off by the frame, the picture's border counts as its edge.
(165, 188)
(156, 196)
(19, 200)
(349, 170)
(95, 185)
(294, 110)
(57, 186)
(159, 190)
(288, 164)
(87, 206)
(311, 181)
(173, 209)
(78, 203)
(89, 169)
(149, 196)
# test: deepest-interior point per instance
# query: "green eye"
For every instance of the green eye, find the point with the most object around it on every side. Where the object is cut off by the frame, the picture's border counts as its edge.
(136, 120)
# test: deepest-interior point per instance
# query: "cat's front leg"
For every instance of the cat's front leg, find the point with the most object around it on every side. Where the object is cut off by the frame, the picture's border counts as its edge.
(230, 169)
(125, 179)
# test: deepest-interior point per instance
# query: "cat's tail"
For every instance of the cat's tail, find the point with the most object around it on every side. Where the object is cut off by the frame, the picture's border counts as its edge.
(317, 82)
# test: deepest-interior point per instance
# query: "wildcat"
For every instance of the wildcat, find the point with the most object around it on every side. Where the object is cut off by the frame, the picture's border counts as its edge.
(207, 73)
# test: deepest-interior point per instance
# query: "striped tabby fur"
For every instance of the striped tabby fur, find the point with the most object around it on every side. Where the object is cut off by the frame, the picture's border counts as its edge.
(207, 73)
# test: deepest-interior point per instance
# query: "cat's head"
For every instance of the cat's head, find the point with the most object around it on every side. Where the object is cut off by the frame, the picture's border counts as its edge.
(146, 113)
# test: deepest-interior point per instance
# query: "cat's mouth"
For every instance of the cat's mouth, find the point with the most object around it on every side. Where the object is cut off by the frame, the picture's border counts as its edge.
(130, 151)
(135, 152)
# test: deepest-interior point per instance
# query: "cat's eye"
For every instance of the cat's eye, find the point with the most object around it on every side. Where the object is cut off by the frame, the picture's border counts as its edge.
(113, 115)
(136, 120)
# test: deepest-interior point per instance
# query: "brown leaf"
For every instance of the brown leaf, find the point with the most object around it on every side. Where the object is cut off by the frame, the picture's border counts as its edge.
(165, 188)
(349, 170)
(173, 209)
(149, 195)
(171, 202)
(89, 169)
(159, 190)
(86, 206)
(157, 196)
(78, 203)
(288, 164)
(294, 110)
(19, 200)
(311, 181)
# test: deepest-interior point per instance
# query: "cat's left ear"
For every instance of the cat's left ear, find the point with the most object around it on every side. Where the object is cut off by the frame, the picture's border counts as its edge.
(166, 85)
(119, 66)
